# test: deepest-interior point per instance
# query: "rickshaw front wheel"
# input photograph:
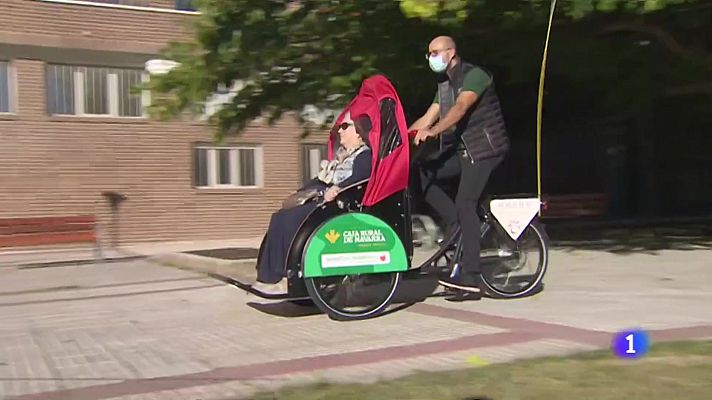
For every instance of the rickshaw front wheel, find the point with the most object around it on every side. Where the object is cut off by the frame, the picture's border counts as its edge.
(353, 297)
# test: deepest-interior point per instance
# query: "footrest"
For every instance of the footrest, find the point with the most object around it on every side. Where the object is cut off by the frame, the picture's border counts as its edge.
(247, 287)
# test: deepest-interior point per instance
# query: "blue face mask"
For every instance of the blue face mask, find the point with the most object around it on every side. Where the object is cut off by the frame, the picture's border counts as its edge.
(437, 64)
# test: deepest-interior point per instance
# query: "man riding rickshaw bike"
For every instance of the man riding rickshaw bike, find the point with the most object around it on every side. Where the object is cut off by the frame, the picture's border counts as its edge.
(345, 240)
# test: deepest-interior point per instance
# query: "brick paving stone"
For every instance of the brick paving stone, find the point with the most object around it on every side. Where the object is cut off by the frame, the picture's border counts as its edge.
(176, 333)
(375, 372)
(605, 291)
(134, 320)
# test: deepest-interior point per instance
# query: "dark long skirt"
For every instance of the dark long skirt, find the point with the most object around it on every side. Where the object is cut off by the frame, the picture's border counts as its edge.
(283, 226)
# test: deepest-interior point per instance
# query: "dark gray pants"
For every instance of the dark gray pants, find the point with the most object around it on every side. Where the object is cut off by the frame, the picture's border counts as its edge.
(283, 227)
(473, 178)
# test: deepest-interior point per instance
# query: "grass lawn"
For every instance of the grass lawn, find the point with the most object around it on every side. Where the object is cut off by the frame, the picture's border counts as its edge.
(670, 371)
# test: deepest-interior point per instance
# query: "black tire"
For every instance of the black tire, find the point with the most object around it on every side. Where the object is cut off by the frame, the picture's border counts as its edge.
(324, 292)
(522, 285)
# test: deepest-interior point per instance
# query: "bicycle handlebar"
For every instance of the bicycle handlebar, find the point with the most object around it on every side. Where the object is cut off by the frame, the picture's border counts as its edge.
(415, 157)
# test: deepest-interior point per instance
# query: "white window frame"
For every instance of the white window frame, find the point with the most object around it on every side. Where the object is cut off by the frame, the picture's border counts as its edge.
(307, 158)
(11, 88)
(212, 162)
(145, 96)
(112, 95)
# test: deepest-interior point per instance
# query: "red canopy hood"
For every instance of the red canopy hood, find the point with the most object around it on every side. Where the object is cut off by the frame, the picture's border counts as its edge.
(390, 174)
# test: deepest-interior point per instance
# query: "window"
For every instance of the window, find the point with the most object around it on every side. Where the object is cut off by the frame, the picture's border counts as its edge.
(77, 90)
(227, 166)
(312, 154)
(185, 5)
(5, 87)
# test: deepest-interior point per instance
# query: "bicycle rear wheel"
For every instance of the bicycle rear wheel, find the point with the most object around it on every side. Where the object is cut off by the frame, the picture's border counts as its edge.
(512, 269)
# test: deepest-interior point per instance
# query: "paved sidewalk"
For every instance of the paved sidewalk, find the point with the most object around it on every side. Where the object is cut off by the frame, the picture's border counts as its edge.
(88, 254)
(139, 330)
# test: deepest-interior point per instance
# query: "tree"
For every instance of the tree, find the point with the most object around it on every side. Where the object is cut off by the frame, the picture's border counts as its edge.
(458, 10)
(288, 54)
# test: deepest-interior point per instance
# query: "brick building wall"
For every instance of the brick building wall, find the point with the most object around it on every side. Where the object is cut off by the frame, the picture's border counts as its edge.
(53, 165)
(75, 26)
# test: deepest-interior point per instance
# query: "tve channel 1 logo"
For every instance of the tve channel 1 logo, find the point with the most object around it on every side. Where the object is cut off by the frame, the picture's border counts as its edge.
(631, 344)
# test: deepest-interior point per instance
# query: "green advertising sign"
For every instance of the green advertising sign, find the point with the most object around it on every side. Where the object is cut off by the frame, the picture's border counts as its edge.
(354, 243)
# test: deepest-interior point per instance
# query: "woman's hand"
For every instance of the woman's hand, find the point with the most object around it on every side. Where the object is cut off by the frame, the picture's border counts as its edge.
(331, 193)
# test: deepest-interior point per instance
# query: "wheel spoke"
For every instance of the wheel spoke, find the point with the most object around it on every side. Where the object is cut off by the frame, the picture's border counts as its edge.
(513, 269)
(353, 296)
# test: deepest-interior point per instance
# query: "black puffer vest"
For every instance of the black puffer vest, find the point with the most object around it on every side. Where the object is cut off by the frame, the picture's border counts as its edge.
(481, 130)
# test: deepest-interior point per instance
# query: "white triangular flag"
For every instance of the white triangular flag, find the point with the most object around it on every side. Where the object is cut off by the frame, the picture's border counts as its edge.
(515, 214)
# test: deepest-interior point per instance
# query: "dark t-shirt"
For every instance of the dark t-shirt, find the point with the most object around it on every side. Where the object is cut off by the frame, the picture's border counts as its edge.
(476, 80)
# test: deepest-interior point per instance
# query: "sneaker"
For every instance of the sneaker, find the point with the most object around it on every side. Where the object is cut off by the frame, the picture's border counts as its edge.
(271, 289)
(462, 295)
(463, 282)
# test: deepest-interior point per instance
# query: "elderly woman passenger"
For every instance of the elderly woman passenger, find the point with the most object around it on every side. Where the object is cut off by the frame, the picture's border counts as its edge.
(351, 164)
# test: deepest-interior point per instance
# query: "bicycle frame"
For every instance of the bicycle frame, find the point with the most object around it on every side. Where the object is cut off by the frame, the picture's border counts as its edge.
(456, 240)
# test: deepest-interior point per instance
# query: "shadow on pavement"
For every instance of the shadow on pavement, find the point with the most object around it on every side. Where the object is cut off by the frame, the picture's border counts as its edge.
(411, 291)
(227, 253)
(631, 239)
(415, 288)
(285, 309)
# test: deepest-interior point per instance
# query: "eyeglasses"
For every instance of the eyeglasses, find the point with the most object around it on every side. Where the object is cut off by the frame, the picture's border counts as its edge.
(345, 125)
(435, 52)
